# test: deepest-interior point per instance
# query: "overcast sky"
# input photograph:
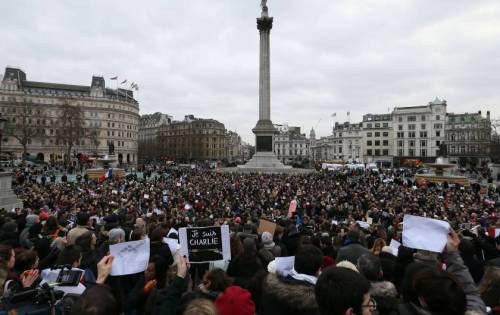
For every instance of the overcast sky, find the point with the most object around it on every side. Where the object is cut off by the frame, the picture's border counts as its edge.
(201, 56)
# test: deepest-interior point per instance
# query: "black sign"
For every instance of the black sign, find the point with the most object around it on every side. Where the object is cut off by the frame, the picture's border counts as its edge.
(204, 244)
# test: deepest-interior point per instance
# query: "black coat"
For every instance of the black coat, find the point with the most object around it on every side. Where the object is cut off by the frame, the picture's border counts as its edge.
(162, 250)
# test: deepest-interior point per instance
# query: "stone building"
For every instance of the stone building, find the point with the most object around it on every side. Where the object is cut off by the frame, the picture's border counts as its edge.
(468, 138)
(234, 147)
(192, 139)
(322, 149)
(149, 127)
(290, 145)
(347, 142)
(419, 131)
(378, 139)
(110, 116)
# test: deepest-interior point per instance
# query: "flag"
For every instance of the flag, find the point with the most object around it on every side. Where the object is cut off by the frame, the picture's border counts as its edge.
(334, 115)
(114, 78)
(348, 113)
(124, 81)
(109, 173)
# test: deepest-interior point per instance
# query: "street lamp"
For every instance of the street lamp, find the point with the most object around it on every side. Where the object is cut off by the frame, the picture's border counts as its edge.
(3, 122)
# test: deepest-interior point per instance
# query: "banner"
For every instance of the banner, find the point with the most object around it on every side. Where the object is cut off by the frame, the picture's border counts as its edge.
(205, 244)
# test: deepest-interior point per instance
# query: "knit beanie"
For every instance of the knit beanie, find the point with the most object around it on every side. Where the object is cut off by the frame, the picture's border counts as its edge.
(267, 240)
(235, 301)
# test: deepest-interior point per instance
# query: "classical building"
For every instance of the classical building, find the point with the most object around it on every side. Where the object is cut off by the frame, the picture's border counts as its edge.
(149, 128)
(234, 147)
(468, 138)
(192, 139)
(378, 139)
(290, 145)
(419, 131)
(110, 116)
(322, 149)
(347, 141)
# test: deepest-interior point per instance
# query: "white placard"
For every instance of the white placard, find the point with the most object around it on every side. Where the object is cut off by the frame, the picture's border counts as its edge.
(129, 257)
(205, 244)
(363, 224)
(394, 245)
(172, 243)
(284, 265)
(172, 230)
(424, 233)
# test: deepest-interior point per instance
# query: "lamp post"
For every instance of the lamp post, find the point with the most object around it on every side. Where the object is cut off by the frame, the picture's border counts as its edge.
(3, 121)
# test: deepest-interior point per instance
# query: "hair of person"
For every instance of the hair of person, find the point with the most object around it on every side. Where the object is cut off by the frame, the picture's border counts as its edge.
(5, 254)
(308, 260)
(440, 291)
(219, 280)
(161, 268)
(339, 289)
(98, 300)
(200, 307)
(137, 234)
(353, 236)
(69, 255)
(491, 278)
(157, 234)
(115, 235)
(377, 246)
(82, 218)
(51, 224)
(25, 260)
(236, 245)
(369, 266)
(84, 241)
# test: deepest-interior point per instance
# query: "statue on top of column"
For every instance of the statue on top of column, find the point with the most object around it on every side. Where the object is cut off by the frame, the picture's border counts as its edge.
(263, 5)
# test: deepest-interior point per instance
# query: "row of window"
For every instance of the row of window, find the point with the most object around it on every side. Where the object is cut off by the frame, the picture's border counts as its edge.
(413, 134)
(377, 152)
(412, 152)
(413, 118)
(377, 134)
(377, 142)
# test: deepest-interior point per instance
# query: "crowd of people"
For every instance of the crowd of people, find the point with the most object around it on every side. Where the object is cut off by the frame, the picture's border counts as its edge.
(341, 265)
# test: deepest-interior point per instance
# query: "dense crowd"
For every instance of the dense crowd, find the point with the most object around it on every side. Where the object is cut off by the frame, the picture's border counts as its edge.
(341, 266)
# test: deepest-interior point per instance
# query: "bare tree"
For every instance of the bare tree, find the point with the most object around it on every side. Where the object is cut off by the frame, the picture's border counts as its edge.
(70, 128)
(25, 124)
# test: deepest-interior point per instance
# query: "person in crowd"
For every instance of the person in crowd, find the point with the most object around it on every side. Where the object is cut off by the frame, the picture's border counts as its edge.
(9, 235)
(490, 288)
(82, 222)
(293, 293)
(201, 307)
(235, 301)
(340, 291)
(353, 250)
(24, 237)
(15, 282)
(86, 243)
(383, 292)
(158, 247)
(214, 282)
(243, 267)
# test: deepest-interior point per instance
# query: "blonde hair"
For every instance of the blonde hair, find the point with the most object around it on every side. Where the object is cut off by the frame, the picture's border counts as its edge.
(201, 307)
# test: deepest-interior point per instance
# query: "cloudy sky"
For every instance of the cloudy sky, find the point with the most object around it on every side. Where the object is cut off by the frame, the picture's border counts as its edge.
(201, 56)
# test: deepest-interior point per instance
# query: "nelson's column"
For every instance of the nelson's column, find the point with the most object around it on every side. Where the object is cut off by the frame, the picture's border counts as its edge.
(264, 158)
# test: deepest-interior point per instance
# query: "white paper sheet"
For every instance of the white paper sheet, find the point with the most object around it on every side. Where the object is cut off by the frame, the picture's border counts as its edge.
(284, 265)
(424, 233)
(394, 245)
(363, 224)
(129, 257)
(172, 243)
(172, 230)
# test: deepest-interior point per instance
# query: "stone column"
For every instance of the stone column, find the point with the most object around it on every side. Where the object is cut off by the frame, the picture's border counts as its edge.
(264, 25)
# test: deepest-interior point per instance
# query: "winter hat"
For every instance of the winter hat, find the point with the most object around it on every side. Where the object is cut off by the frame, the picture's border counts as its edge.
(267, 240)
(235, 301)
(43, 215)
(31, 219)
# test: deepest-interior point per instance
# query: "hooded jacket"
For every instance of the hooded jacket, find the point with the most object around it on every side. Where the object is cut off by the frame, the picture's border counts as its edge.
(287, 296)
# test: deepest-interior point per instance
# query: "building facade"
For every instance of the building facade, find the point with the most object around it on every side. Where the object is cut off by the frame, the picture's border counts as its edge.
(110, 117)
(234, 147)
(378, 139)
(192, 139)
(290, 145)
(419, 131)
(468, 138)
(149, 128)
(347, 142)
